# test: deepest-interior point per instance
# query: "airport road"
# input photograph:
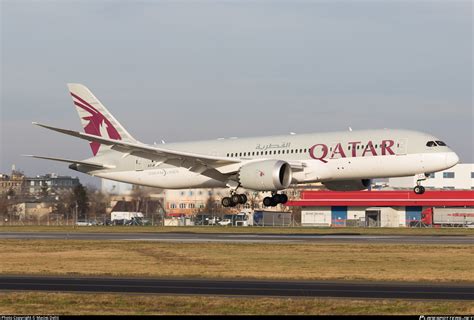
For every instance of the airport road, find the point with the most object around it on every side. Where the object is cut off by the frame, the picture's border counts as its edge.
(338, 289)
(242, 238)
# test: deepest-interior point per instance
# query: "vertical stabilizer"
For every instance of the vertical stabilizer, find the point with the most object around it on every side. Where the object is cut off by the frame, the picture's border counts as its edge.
(95, 118)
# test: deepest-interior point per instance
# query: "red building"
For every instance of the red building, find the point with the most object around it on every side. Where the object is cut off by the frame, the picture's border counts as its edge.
(374, 208)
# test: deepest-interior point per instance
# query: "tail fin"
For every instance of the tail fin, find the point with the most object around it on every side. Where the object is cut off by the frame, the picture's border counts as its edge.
(95, 118)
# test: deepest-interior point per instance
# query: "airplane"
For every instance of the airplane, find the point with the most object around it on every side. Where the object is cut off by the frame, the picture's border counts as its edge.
(342, 161)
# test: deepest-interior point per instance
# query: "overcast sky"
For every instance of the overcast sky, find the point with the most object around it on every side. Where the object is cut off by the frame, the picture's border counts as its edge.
(207, 69)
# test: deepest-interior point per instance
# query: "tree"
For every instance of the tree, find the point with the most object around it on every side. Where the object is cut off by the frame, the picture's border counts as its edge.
(97, 202)
(44, 190)
(294, 192)
(253, 199)
(81, 200)
(66, 204)
(3, 206)
(210, 206)
(142, 202)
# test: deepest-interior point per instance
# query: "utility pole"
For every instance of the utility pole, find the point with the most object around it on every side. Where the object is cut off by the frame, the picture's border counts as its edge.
(75, 218)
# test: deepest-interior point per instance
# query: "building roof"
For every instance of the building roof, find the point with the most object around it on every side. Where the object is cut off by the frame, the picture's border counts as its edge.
(384, 198)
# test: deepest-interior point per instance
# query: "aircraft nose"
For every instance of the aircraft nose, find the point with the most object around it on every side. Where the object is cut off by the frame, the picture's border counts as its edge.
(451, 159)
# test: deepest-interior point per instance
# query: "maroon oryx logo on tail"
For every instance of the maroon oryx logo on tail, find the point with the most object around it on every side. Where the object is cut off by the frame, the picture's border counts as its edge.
(96, 122)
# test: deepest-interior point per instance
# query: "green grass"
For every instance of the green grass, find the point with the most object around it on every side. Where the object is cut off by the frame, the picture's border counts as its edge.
(28, 303)
(266, 230)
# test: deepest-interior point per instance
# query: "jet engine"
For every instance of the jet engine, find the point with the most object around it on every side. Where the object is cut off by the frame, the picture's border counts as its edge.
(348, 185)
(266, 175)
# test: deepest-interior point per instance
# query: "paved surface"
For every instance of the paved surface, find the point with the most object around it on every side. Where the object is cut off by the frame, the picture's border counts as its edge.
(242, 238)
(240, 287)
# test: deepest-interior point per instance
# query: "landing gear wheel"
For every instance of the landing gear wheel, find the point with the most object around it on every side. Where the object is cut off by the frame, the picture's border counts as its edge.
(243, 198)
(283, 198)
(267, 202)
(419, 189)
(227, 202)
(235, 198)
(277, 198)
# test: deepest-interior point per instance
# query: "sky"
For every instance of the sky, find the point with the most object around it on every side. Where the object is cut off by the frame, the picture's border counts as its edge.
(191, 70)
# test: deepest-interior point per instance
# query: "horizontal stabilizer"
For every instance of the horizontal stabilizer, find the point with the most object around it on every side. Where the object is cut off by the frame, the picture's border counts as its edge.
(82, 163)
(175, 157)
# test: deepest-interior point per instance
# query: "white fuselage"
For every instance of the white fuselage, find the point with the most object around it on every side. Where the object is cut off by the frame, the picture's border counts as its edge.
(321, 157)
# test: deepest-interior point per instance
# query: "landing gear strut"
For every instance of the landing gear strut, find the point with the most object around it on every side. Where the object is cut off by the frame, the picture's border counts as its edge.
(275, 199)
(419, 189)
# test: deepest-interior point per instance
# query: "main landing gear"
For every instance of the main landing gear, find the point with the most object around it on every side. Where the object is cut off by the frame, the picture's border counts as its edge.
(275, 199)
(234, 200)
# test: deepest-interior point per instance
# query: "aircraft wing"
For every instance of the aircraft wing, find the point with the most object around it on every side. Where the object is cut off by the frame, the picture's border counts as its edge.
(82, 163)
(195, 162)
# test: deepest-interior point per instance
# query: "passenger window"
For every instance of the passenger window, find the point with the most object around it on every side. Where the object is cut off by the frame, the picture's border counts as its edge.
(441, 143)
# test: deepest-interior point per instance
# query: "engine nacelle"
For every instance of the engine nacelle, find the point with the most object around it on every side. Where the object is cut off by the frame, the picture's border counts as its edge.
(348, 185)
(266, 175)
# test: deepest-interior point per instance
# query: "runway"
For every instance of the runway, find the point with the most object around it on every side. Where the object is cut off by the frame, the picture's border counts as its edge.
(240, 287)
(241, 237)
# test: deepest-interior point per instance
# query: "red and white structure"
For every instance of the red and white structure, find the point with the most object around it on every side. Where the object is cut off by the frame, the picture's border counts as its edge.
(374, 208)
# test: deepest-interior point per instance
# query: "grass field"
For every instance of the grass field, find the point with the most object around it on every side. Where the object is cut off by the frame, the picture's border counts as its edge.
(67, 303)
(270, 230)
(336, 261)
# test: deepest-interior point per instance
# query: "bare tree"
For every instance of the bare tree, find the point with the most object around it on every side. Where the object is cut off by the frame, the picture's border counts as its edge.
(142, 202)
(294, 193)
(210, 206)
(97, 203)
(3, 207)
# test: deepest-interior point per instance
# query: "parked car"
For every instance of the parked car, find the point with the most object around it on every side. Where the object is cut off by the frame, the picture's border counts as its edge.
(214, 221)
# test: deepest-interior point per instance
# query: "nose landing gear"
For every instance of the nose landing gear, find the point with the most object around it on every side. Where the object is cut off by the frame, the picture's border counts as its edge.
(419, 189)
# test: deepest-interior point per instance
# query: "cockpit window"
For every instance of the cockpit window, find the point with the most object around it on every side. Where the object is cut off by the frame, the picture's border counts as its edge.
(441, 143)
(431, 144)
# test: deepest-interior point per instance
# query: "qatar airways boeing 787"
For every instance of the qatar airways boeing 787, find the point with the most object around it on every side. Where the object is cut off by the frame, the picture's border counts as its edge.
(342, 161)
